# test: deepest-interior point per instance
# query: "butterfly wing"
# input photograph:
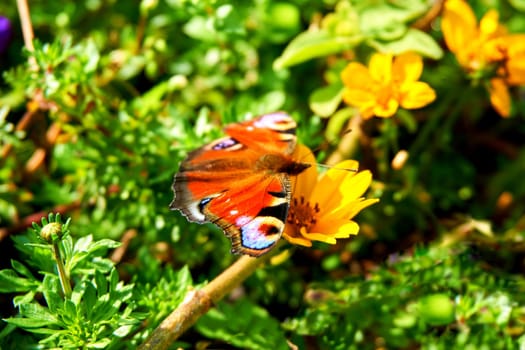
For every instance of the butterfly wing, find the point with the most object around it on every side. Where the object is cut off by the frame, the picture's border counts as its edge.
(270, 133)
(224, 183)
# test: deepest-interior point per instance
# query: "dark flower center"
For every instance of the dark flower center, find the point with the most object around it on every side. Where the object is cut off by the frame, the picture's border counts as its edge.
(302, 213)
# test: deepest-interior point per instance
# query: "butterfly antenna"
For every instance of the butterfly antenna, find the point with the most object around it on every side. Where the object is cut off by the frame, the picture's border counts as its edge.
(326, 166)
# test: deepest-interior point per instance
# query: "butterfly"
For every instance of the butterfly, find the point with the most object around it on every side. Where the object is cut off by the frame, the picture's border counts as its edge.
(241, 182)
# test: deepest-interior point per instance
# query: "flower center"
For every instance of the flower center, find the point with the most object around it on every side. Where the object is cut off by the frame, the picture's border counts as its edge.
(302, 213)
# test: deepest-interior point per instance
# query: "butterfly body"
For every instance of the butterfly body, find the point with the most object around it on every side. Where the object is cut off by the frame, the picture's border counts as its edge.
(241, 182)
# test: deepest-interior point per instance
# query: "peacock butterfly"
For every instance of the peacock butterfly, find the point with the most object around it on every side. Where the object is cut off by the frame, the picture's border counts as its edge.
(241, 182)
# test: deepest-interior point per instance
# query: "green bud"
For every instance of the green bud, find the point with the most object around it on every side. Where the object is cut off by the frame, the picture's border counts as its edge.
(51, 231)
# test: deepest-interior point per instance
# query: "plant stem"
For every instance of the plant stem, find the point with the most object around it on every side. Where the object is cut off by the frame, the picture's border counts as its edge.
(25, 20)
(64, 280)
(198, 302)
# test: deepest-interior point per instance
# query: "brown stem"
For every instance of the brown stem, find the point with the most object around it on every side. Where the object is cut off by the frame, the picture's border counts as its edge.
(126, 239)
(425, 22)
(198, 302)
(25, 20)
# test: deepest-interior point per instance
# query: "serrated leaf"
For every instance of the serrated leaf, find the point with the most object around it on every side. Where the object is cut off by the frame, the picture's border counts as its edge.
(83, 243)
(413, 41)
(53, 300)
(101, 282)
(104, 309)
(85, 248)
(89, 298)
(10, 282)
(26, 322)
(70, 310)
(324, 101)
(39, 314)
(22, 269)
(66, 247)
(24, 299)
(312, 44)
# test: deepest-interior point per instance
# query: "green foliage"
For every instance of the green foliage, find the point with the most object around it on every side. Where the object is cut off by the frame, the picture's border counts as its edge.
(244, 325)
(411, 301)
(100, 311)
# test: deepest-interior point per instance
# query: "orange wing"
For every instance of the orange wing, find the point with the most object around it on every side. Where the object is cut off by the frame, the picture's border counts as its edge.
(241, 182)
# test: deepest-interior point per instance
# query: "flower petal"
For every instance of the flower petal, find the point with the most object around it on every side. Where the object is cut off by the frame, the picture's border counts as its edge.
(303, 184)
(459, 24)
(407, 67)
(516, 70)
(380, 67)
(386, 109)
(416, 94)
(350, 210)
(328, 193)
(500, 97)
(331, 230)
(355, 186)
(489, 24)
(298, 240)
(359, 97)
(356, 76)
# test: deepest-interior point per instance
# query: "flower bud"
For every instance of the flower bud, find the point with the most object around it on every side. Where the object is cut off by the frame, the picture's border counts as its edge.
(51, 231)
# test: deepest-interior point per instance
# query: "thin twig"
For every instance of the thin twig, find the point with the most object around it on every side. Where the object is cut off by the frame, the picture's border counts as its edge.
(27, 27)
(426, 21)
(198, 302)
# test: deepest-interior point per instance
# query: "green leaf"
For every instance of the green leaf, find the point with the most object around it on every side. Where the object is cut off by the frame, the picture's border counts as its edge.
(377, 20)
(324, 101)
(308, 45)
(244, 325)
(518, 4)
(89, 298)
(35, 315)
(26, 322)
(101, 282)
(123, 331)
(51, 287)
(337, 122)
(271, 101)
(10, 282)
(414, 40)
(22, 269)
(24, 299)
(100, 344)
(200, 28)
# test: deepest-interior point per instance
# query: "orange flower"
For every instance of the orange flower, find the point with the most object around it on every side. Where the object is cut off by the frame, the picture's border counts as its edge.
(485, 50)
(387, 83)
(322, 209)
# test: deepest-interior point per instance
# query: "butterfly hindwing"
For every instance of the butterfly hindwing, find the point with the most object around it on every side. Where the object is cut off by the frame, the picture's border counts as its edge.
(241, 182)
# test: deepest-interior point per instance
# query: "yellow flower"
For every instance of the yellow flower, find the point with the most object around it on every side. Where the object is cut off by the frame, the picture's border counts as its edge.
(322, 209)
(485, 48)
(387, 83)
